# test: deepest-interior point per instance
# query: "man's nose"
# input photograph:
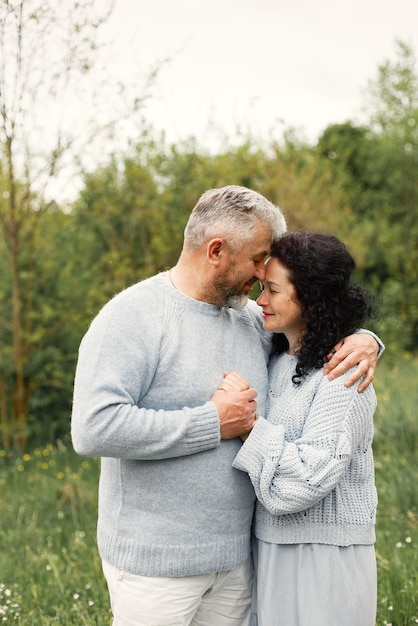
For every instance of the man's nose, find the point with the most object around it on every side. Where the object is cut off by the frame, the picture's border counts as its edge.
(260, 271)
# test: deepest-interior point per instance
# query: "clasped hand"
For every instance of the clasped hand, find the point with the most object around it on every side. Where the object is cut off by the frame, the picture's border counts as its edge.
(236, 406)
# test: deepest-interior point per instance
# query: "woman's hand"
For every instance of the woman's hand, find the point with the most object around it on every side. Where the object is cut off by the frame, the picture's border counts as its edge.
(234, 382)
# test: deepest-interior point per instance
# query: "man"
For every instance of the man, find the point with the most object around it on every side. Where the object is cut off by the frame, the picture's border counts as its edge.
(174, 516)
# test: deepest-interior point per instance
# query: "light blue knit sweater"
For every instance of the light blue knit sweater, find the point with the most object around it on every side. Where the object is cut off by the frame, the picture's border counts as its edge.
(170, 503)
(311, 462)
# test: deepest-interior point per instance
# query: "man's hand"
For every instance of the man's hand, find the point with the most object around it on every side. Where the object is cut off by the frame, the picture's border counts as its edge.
(237, 411)
(360, 349)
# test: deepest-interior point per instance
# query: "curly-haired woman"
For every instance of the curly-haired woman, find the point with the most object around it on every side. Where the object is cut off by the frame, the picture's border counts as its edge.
(310, 458)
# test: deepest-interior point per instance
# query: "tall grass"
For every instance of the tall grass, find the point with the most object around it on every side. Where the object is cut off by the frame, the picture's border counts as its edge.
(395, 452)
(50, 572)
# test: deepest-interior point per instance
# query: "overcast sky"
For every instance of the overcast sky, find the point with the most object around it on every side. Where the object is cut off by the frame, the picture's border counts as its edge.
(259, 63)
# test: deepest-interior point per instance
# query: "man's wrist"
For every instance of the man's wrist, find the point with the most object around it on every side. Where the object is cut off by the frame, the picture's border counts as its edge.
(380, 344)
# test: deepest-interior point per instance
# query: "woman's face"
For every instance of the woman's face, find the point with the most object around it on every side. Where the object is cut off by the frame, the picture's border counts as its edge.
(281, 310)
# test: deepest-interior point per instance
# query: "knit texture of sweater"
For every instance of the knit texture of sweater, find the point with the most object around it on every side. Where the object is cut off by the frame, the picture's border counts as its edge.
(310, 460)
(170, 502)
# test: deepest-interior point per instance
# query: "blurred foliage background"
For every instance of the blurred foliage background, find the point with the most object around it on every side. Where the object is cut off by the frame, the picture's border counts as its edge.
(60, 262)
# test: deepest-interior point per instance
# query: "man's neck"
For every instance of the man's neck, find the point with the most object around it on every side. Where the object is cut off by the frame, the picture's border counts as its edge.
(187, 280)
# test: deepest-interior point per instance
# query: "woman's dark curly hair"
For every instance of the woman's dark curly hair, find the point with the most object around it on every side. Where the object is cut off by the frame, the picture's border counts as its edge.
(320, 268)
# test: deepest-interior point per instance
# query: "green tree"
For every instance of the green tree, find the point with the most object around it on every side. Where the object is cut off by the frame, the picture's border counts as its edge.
(393, 257)
(392, 98)
(41, 97)
(374, 172)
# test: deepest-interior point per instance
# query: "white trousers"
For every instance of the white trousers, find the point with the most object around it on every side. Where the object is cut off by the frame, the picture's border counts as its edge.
(219, 599)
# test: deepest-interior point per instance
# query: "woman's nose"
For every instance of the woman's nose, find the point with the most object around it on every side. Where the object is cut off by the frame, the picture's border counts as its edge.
(261, 300)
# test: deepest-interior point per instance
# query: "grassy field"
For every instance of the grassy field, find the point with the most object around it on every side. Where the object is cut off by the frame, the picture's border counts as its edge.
(50, 572)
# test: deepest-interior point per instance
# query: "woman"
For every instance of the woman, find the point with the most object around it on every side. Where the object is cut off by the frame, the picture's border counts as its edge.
(310, 459)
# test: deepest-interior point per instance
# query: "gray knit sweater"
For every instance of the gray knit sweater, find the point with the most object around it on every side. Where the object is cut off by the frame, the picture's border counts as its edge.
(170, 503)
(311, 462)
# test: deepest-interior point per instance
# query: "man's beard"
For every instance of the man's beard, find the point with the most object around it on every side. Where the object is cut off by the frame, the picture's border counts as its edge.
(230, 296)
(237, 301)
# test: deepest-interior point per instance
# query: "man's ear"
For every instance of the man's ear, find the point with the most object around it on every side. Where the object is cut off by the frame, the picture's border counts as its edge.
(215, 250)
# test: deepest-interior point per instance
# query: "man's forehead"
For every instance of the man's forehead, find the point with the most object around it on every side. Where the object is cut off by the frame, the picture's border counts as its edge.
(261, 246)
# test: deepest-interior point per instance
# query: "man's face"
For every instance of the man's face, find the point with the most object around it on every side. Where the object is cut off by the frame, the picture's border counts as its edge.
(241, 269)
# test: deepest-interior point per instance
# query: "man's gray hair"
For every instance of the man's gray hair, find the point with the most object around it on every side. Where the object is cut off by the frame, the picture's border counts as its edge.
(231, 212)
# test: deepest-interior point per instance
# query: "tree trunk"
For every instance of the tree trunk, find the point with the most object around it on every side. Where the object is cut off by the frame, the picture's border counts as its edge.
(5, 426)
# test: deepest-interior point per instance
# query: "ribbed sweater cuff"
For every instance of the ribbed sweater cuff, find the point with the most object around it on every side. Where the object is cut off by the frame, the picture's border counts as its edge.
(205, 433)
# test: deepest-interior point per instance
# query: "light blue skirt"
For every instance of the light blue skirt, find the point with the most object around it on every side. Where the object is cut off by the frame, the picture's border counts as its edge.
(314, 585)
